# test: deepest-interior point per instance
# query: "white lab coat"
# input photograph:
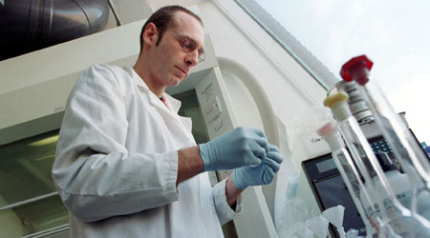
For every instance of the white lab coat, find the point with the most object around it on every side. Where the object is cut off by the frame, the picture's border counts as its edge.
(116, 163)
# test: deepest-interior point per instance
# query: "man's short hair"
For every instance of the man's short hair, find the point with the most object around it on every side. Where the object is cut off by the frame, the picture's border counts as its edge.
(162, 19)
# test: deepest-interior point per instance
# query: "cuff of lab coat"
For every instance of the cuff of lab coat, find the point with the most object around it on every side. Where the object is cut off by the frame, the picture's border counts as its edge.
(223, 209)
(172, 175)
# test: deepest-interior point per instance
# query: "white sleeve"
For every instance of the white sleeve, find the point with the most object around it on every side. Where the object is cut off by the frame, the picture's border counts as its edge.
(96, 176)
(223, 209)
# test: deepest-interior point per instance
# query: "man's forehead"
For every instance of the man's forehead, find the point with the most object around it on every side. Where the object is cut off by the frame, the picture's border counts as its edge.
(181, 15)
(189, 26)
(186, 21)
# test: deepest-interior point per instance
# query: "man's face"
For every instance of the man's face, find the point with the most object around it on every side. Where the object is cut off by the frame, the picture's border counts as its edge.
(175, 55)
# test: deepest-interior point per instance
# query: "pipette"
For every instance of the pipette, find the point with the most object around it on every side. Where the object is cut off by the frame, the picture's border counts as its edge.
(393, 213)
(352, 179)
(404, 145)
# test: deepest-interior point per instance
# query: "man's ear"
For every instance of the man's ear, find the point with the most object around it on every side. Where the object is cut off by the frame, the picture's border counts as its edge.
(150, 34)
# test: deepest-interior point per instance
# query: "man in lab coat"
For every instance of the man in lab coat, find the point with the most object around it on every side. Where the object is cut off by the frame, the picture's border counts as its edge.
(127, 164)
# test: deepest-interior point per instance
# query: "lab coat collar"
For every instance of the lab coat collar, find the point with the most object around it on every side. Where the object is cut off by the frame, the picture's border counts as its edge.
(171, 102)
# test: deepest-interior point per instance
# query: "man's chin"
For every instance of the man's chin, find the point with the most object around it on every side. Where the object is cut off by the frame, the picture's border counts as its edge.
(175, 84)
(180, 80)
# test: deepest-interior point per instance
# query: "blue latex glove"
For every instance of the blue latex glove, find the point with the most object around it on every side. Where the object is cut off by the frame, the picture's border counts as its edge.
(262, 174)
(240, 147)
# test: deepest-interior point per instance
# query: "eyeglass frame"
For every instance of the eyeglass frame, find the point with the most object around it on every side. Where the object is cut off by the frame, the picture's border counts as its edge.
(182, 40)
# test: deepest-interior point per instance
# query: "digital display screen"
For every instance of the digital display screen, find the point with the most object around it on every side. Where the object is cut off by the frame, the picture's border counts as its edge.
(326, 165)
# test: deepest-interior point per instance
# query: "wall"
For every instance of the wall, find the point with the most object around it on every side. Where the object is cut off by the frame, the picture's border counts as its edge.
(289, 87)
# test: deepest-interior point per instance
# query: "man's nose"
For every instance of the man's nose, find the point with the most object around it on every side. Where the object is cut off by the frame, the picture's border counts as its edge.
(192, 58)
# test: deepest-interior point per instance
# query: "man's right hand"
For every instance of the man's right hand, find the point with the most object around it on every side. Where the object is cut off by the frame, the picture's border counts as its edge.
(237, 148)
(261, 175)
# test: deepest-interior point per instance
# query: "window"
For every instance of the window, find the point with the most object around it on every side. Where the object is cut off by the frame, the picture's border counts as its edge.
(323, 35)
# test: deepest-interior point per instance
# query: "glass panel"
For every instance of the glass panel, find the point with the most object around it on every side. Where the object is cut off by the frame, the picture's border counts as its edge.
(391, 33)
(28, 199)
(33, 217)
(25, 168)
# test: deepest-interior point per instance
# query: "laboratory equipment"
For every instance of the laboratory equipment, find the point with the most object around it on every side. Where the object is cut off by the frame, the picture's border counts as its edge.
(397, 219)
(329, 189)
(409, 153)
(352, 178)
(335, 216)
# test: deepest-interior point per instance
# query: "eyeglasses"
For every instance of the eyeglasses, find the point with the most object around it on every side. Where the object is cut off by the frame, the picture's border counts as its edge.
(189, 45)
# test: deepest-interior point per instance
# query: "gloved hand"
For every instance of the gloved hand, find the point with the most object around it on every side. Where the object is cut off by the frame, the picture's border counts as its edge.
(262, 174)
(240, 147)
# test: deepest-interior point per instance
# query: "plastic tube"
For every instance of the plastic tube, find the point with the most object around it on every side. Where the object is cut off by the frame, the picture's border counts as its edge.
(393, 213)
(352, 179)
(407, 151)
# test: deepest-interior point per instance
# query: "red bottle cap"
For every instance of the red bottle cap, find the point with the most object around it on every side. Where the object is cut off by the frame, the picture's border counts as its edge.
(357, 69)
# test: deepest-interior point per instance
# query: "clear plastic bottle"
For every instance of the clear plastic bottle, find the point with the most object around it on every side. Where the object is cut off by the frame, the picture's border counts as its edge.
(352, 179)
(395, 216)
(404, 145)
